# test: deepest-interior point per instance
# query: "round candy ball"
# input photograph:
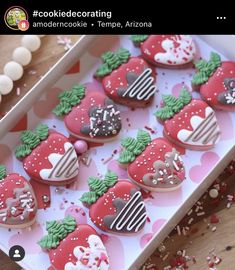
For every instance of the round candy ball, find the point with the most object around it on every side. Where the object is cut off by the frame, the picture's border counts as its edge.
(13, 70)
(31, 42)
(22, 56)
(213, 193)
(80, 146)
(6, 85)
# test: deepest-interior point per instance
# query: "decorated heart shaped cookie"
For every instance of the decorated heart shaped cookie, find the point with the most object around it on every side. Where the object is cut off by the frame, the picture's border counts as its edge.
(191, 123)
(216, 81)
(127, 80)
(89, 116)
(18, 205)
(74, 246)
(48, 157)
(152, 164)
(170, 51)
(115, 205)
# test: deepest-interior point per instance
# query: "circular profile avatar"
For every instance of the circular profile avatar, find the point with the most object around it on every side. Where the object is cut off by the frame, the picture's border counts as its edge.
(16, 18)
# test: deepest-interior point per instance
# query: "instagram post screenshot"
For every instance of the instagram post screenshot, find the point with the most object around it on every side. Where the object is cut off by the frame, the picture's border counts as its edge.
(117, 136)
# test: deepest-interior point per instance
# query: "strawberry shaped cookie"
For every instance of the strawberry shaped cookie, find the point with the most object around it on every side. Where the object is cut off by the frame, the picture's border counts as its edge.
(170, 51)
(115, 205)
(89, 116)
(127, 80)
(188, 122)
(74, 247)
(18, 205)
(48, 156)
(153, 165)
(216, 82)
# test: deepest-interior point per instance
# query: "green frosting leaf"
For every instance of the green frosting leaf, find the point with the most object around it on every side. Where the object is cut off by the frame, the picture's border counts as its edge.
(164, 113)
(133, 147)
(123, 55)
(169, 100)
(22, 150)
(42, 131)
(79, 90)
(30, 138)
(97, 185)
(137, 39)
(111, 61)
(144, 137)
(3, 172)
(110, 179)
(173, 104)
(126, 157)
(57, 229)
(206, 69)
(103, 70)
(69, 224)
(129, 143)
(185, 96)
(49, 241)
(69, 99)
(89, 197)
(62, 108)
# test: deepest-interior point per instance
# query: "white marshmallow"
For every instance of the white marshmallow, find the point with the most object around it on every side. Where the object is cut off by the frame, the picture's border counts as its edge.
(31, 42)
(6, 84)
(22, 56)
(13, 70)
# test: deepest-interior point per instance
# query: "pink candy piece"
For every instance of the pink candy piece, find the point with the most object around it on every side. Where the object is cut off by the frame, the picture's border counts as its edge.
(80, 146)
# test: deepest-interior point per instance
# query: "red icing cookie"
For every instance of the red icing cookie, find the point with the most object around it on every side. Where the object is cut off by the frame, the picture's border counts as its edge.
(115, 205)
(127, 80)
(18, 205)
(170, 51)
(74, 247)
(48, 157)
(188, 122)
(89, 116)
(216, 81)
(153, 165)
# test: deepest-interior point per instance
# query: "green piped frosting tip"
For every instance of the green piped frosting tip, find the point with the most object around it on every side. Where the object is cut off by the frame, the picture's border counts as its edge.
(133, 147)
(98, 187)
(31, 140)
(205, 69)
(3, 172)
(111, 61)
(69, 99)
(173, 105)
(137, 39)
(57, 231)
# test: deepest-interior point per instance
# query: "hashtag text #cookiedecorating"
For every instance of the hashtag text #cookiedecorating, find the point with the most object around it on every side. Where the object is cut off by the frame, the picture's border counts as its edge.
(72, 14)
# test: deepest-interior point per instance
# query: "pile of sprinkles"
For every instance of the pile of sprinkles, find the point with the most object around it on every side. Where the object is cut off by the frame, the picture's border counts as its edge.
(218, 194)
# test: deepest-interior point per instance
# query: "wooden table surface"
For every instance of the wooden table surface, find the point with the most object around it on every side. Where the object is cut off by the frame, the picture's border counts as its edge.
(199, 241)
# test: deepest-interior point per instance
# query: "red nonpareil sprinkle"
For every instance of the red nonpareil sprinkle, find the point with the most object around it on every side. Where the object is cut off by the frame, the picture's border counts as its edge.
(214, 219)
(211, 264)
(150, 129)
(148, 219)
(194, 230)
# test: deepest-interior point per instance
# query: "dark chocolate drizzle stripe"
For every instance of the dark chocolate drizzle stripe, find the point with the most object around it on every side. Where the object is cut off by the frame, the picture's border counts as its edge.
(142, 87)
(208, 132)
(129, 215)
(65, 165)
